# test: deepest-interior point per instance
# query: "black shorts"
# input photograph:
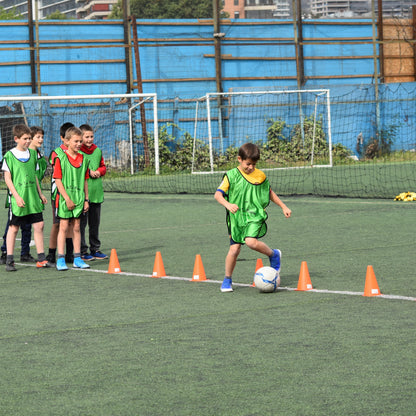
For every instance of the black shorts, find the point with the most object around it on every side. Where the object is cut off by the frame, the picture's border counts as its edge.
(26, 219)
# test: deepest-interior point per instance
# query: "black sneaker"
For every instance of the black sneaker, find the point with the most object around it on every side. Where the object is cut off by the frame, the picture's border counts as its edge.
(3, 257)
(27, 258)
(51, 259)
(10, 267)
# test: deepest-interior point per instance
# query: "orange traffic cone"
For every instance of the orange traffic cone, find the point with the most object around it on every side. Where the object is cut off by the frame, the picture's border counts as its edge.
(371, 287)
(259, 264)
(304, 278)
(114, 265)
(158, 268)
(199, 272)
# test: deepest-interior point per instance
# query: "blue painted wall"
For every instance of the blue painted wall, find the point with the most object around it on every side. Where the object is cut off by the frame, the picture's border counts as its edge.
(177, 62)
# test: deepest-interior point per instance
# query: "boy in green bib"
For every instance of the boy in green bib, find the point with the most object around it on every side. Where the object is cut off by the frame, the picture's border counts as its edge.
(25, 197)
(245, 192)
(96, 196)
(71, 174)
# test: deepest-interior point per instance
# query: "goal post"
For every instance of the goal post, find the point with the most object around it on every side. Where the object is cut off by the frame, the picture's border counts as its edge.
(292, 127)
(120, 130)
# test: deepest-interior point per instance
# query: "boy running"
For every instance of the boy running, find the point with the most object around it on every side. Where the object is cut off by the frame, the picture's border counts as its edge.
(245, 192)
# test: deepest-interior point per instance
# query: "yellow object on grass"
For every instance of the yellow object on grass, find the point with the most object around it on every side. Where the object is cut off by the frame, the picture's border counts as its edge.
(406, 196)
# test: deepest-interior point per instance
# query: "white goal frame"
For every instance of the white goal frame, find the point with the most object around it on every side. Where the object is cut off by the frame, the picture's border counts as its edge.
(142, 97)
(207, 98)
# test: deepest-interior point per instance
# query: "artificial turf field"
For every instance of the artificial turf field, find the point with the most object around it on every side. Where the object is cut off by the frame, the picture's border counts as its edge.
(92, 343)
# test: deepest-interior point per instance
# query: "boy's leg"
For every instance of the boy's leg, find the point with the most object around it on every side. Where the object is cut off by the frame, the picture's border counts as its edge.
(69, 256)
(76, 238)
(94, 219)
(62, 230)
(230, 262)
(261, 247)
(84, 221)
(53, 236)
(38, 237)
(4, 245)
(10, 242)
(26, 239)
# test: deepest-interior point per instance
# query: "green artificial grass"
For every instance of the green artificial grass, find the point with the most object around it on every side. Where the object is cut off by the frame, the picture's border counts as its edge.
(93, 343)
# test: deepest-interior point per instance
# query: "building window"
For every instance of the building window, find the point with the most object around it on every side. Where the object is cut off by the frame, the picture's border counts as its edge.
(236, 2)
(236, 15)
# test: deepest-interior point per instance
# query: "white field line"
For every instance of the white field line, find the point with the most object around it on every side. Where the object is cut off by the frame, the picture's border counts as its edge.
(186, 279)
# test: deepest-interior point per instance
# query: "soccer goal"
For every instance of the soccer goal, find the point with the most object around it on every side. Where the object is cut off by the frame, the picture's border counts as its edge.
(292, 128)
(125, 125)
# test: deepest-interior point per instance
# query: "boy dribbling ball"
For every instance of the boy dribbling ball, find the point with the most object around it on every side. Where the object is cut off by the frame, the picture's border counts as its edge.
(245, 192)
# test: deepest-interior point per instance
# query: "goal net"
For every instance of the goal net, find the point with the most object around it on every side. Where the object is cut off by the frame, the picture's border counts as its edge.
(292, 129)
(123, 124)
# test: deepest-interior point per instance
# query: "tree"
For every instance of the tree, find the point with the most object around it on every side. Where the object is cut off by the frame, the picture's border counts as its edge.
(57, 15)
(166, 9)
(12, 14)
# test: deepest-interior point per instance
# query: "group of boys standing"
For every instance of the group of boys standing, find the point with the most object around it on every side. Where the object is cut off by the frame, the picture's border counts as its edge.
(76, 193)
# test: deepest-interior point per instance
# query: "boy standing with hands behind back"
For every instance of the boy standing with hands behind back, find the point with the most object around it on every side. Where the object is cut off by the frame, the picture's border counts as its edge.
(95, 193)
(245, 192)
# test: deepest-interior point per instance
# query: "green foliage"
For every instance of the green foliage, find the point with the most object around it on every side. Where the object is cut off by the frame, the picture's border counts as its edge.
(166, 9)
(381, 145)
(11, 14)
(57, 15)
(176, 154)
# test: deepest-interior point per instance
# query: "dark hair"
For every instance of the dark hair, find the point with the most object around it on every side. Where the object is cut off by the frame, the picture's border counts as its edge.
(20, 129)
(72, 131)
(86, 127)
(249, 151)
(64, 128)
(36, 130)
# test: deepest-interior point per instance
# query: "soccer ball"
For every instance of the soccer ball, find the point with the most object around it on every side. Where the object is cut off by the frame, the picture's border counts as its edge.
(266, 279)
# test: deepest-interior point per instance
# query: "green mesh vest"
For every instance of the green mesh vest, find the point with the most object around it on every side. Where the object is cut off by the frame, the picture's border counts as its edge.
(95, 186)
(73, 179)
(252, 199)
(24, 180)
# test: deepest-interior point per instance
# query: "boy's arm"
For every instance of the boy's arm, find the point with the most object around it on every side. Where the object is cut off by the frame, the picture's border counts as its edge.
(87, 200)
(61, 189)
(219, 197)
(41, 196)
(101, 171)
(9, 182)
(274, 198)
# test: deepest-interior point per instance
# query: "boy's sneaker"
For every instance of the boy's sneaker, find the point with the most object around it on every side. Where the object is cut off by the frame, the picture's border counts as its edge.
(3, 257)
(275, 260)
(51, 258)
(87, 257)
(227, 285)
(80, 264)
(100, 256)
(10, 267)
(27, 258)
(61, 265)
(43, 263)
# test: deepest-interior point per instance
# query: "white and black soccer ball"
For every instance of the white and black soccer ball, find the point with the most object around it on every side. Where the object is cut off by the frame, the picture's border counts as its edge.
(266, 279)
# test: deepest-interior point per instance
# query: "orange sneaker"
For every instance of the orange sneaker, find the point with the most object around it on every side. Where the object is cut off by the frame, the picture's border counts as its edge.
(43, 263)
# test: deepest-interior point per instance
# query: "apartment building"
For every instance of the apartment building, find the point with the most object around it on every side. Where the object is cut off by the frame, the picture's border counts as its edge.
(73, 9)
(258, 9)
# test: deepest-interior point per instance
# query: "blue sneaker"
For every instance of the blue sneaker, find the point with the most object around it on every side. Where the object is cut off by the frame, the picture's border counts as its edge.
(87, 257)
(80, 264)
(61, 265)
(275, 260)
(227, 285)
(100, 256)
